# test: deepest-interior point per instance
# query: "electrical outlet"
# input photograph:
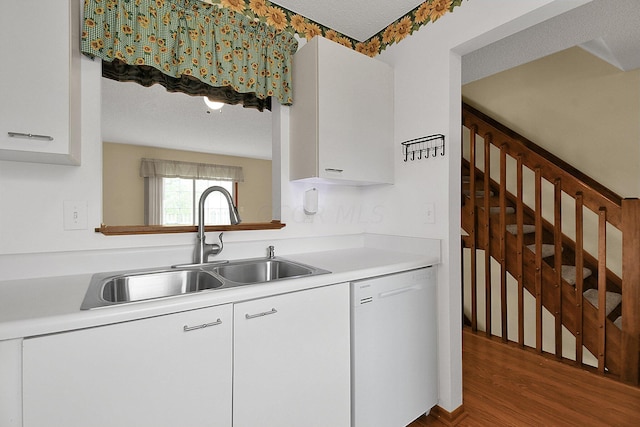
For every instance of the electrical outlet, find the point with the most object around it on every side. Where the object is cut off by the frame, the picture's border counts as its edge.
(431, 213)
(75, 215)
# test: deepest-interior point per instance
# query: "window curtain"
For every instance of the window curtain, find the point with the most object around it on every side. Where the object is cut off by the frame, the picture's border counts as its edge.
(153, 196)
(156, 168)
(191, 47)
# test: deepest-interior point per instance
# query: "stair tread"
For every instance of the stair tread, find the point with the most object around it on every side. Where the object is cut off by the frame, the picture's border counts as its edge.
(526, 228)
(496, 209)
(618, 322)
(613, 299)
(569, 273)
(547, 249)
(479, 193)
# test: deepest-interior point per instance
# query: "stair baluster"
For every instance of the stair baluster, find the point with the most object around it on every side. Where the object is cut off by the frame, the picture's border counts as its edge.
(557, 240)
(561, 289)
(520, 248)
(602, 286)
(487, 231)
(503, 244)
(579, 261)
(474, 228)
(538, 246)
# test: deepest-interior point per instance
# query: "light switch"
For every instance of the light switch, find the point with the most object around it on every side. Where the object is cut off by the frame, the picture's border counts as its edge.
(75, 215)
(431, 213)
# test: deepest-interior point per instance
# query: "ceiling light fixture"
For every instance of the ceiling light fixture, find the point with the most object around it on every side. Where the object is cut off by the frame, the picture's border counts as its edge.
(213, 104)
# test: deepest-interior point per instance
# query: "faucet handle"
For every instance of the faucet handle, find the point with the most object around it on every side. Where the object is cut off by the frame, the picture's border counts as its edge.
(219, 246)
(271, 252)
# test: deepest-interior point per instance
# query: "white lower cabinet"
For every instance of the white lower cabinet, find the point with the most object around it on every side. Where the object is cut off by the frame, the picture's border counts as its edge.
(272, 362)
(291, 360)
(142, 373)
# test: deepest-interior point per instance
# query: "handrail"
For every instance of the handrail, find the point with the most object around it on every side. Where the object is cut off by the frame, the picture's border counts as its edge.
(616, 350)
(553, 168)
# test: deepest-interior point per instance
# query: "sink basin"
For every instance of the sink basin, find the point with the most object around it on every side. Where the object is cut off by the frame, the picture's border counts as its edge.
(108, 289)
(157, 285)
(264, 270)
(140, 286)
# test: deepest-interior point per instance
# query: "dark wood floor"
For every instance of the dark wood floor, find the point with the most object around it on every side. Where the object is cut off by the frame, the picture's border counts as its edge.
(506, 386)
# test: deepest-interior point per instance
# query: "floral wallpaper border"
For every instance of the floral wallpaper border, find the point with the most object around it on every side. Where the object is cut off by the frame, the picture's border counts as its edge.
(285, 20)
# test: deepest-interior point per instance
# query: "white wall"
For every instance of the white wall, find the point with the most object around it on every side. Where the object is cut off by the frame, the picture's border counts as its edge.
(428, 75)
(33, 242)
(427, 68)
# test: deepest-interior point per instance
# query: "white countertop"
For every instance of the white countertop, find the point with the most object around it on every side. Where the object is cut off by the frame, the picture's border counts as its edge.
(30, 307)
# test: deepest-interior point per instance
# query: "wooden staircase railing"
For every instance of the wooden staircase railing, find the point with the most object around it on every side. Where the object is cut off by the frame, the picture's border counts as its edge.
(518, 223)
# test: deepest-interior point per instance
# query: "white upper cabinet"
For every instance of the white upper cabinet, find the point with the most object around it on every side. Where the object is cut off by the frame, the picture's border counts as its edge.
(342, 116)
(40, 81)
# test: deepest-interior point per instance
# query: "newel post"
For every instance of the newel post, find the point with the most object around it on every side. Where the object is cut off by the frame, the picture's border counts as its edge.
(630, 290)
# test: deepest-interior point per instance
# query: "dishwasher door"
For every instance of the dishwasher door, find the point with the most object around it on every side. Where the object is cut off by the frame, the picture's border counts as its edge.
(393, 348)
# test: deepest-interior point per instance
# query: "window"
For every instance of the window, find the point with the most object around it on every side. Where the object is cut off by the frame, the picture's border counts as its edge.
(180, 198)
(173, 190)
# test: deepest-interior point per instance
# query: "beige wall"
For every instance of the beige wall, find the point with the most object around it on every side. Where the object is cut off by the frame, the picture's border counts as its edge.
(123, 188)
(584, 111)
(580, 108)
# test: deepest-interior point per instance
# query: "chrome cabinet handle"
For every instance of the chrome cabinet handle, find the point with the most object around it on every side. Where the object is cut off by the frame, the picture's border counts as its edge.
(204, 325)
(29, 136)
(265, 313)
(334, 170)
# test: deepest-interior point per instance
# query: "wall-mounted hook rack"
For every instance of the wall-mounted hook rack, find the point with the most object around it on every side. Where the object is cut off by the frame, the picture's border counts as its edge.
(423, 147)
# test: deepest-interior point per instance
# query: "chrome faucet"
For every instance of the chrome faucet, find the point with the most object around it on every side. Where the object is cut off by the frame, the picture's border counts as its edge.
(204, 249)
(271, 252)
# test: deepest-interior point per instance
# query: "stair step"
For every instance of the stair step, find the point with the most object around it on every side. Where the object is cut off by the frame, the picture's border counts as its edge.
(526, 228)
(613, 299)
(618, 322)
(479, 193)
(496, 210)
(547, 249)
(466, 179)
(569, 273)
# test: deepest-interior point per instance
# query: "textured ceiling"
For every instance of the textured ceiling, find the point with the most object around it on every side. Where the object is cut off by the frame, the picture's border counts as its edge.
(134, 114)
(609, 29)
(358, 19)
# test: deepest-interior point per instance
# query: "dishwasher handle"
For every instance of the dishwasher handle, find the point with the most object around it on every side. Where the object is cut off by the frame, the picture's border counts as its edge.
(399, 291)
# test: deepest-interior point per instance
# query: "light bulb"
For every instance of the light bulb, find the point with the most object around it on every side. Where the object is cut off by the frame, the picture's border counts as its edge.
(213, 104)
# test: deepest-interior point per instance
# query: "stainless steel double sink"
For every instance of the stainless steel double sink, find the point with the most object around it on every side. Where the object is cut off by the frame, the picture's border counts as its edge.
(108, 289)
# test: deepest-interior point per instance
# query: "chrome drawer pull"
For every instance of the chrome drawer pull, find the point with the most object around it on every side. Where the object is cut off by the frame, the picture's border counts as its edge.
(266, 313)
(29, 136)
(334, 170)
(204, 325)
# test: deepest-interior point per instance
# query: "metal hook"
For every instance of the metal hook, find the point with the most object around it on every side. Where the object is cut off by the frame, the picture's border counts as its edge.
(442, 147)
(406, 154)
(413, 155)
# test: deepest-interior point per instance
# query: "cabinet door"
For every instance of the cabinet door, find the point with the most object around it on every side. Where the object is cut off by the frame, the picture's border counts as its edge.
(291, 360)
(355, 116)
(342, 117)
(142, 373)
(39, 81)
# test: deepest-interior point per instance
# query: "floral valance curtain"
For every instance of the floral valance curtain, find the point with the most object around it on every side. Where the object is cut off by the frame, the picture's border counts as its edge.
(192, 47)
(158, 168)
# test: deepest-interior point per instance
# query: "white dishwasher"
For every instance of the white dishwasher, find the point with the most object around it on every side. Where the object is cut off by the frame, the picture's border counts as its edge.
(393, 348)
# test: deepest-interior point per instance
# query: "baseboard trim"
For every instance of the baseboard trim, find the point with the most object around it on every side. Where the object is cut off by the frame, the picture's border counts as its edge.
(446, 417)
